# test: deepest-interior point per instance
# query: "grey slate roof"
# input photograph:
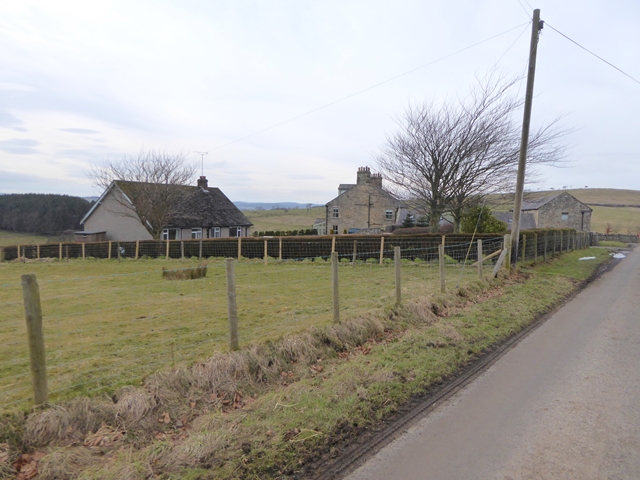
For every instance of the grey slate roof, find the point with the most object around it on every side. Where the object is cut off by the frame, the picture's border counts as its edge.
(527, 220)
(207, 208)
(536, 203)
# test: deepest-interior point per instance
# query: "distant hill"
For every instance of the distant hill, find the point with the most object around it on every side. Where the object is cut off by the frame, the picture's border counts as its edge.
(272, 206)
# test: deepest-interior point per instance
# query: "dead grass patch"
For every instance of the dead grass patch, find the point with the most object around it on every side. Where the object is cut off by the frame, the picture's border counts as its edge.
(191, 273)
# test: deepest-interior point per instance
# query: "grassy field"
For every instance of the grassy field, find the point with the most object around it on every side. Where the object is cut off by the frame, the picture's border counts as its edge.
(292, 219)
(13, 238)
(293, 400)
(109, 323)
(620, 219)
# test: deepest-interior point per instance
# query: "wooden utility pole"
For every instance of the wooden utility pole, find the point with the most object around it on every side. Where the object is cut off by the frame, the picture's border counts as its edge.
(524, 141)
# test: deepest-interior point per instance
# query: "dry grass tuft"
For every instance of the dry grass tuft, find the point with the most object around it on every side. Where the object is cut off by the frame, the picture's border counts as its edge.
(133, 404)
(65, 463)
(199, 449)
(421, 310)
(69, 423)
(185, 273)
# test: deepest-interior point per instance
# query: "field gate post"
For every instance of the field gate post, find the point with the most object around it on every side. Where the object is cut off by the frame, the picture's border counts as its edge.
(480, 262)
(396, 259)
(33, 315)
(232, 307)
(381, 249)
(334, 287)
(441, 264)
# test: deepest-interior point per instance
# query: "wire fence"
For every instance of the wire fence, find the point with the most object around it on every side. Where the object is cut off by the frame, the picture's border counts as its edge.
(108, 323)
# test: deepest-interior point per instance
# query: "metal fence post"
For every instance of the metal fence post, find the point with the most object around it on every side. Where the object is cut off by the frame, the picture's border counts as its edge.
(33, 315)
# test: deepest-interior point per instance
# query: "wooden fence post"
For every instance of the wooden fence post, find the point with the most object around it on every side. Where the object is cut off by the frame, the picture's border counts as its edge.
(507, 247)
(109, 252)
(117, 246)
(334, 287)
(561, 235)
(524, 249)
(280, 249)
(239, 248)
(232, 307)
(381, 249)
(168, 251)
(18, 249)
(66, 247)
(182, 250)
(546, 245)
(396, 259)
(333, 245)
(441, 264)
(355, 252)
(33, 315)
(200, 250)
(535, 248)
(60, 252)
(137, 248)
(265, 252)
(83, 244)
(480, 262)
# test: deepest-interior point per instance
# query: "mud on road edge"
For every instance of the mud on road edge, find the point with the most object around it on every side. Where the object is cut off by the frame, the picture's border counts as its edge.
(358, 448)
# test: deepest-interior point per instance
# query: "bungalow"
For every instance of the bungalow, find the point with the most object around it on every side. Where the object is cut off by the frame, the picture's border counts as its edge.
(199, 212)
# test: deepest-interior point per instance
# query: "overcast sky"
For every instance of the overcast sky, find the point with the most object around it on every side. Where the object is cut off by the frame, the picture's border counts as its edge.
(85, 81)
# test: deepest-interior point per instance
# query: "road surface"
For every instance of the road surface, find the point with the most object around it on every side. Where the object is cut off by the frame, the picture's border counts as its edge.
(562, 404)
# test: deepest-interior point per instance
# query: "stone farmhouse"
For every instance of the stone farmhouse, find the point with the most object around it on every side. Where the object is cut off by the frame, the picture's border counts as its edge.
(202, 212)
(363, 207)
(560, 210)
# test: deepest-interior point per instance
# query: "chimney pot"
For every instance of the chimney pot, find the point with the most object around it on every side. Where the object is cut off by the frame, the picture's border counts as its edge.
(202, 182)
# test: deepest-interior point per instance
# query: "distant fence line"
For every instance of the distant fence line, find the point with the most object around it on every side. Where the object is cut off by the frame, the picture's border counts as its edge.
(614, 237)
(289, 248)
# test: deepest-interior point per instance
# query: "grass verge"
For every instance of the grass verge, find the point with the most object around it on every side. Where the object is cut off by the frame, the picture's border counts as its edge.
(271, 410)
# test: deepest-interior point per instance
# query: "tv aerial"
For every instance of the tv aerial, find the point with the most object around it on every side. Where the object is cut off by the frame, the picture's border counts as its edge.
(202, 154)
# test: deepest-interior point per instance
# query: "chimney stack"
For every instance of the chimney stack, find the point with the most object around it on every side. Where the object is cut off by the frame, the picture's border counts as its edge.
(202, 182)
(364, 175)
(376, 179)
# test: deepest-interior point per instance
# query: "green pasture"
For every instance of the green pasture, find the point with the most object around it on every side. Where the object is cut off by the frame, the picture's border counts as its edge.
(110, 323)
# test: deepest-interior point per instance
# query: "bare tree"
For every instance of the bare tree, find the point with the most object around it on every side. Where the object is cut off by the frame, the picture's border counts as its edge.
(445, 158)
(148, 187)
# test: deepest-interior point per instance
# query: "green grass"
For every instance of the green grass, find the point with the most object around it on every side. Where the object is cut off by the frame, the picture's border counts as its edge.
(292, 219)
(620, 219)
(611, 243)
(13, 238)
(110, 323)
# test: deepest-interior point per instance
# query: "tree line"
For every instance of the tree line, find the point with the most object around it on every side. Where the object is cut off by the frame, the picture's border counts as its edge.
(41, 213)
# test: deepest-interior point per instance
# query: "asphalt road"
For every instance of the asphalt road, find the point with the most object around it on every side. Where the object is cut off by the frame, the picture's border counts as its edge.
(562, 404)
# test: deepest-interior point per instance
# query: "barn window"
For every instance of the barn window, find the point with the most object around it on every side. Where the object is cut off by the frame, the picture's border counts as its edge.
(565, 216)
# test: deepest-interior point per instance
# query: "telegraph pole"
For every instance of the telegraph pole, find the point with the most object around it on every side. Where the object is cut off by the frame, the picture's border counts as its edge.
(524, 141)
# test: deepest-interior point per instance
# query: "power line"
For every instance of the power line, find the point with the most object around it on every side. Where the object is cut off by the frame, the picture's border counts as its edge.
(368, 88)
(597, 56)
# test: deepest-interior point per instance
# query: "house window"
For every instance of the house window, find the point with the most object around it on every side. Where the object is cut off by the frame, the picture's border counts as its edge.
(170, 234)
(388, 215)
(235, 231)
(196, 233)
(565, 216)
(335, 229)
(336, 212)
(215, 232)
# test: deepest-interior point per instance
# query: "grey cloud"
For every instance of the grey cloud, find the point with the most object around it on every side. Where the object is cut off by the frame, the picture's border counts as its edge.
(83, 131)
(19, 146)
(9, 120)
(20, 129)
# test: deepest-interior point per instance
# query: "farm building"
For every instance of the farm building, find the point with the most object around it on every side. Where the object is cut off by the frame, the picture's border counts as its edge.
(198, 212)
(561, 210)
